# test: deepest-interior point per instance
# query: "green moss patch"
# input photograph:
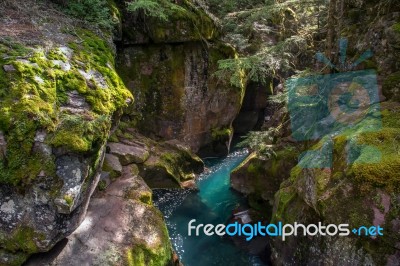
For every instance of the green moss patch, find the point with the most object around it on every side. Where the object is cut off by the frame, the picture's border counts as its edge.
(34, 95)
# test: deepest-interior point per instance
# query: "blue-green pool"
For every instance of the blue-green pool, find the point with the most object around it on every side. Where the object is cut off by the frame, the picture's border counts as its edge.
(213, 203)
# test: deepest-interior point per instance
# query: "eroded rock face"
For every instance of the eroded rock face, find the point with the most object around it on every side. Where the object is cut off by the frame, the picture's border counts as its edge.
(251, 115)
(170, 71)
(121, 227)
(177, 97)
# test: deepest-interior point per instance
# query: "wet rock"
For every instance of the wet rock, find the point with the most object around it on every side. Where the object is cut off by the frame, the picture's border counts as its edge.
(259, 179)
(128, 154)
(251, 114)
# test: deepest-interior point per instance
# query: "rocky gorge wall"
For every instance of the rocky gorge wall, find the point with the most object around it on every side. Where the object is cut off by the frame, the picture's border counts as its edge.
(67, 106)
(170, 69)
(355, 193)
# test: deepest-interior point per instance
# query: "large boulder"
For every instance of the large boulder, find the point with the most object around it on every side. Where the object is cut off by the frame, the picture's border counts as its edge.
(121, 227)
(162, 164)
(58, 102)
(186, 22)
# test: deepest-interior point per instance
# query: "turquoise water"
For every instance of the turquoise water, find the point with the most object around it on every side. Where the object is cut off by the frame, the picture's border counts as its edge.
(213, 204)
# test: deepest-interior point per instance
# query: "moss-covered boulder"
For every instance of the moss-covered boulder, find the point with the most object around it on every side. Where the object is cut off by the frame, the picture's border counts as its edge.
(167, 164)
(121, 227)
(365, 192)
(58, 101)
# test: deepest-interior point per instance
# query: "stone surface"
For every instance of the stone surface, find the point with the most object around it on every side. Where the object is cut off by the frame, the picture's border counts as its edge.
(128, 154)
(112, 165)
(176, 95)
(9, 68)
(121, 228)
(170, 166)
(259, 179)
(187, 23)
(36, 220)
(53, 129)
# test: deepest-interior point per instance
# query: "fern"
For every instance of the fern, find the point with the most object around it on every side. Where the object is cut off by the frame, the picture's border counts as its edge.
(261, 142)
(96, 12)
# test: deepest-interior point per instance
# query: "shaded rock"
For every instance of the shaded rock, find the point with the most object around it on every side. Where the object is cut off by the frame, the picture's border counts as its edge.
(177, 97)
(251, 114)
(169, 165)
(128, 154)
(260, 179)
(112, 165)
(359, 194)
(3, 146)
(121, 227)
(187, 23)
(9, 68)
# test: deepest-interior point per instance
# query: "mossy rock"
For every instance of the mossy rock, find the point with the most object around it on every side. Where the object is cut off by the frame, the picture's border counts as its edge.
(391, 86)
(360, 192)
(187, 22)
(177, 96)
(37, 96)
(260, 178)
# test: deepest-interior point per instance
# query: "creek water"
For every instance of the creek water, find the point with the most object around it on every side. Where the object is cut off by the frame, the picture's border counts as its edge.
(213, 203)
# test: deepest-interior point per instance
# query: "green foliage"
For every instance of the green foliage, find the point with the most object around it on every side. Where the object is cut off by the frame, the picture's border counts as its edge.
(159, 9)
(221, 134)
(261, 142)
(95, 12)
